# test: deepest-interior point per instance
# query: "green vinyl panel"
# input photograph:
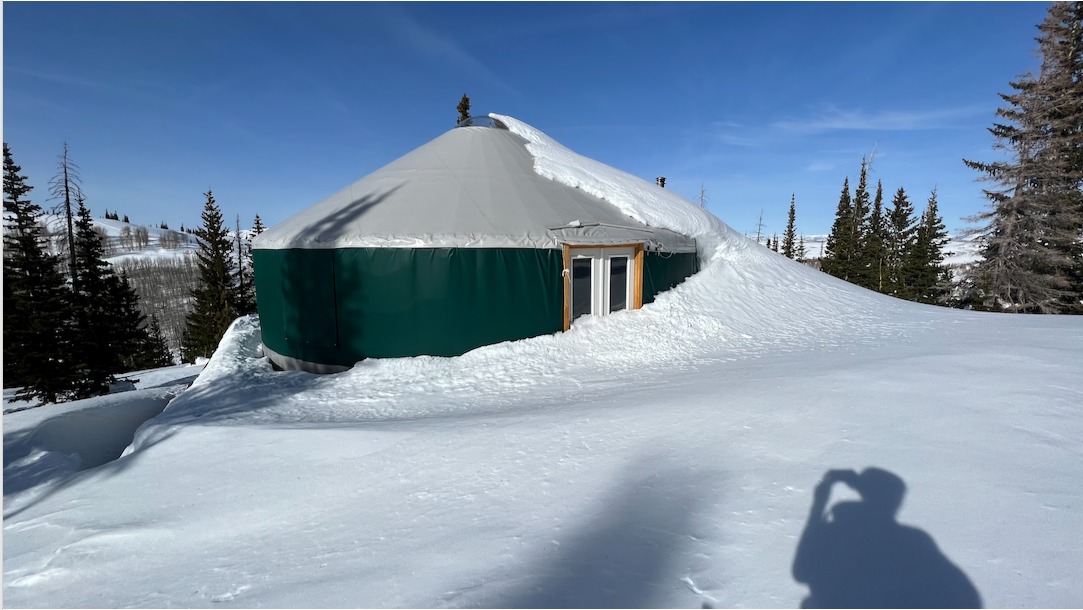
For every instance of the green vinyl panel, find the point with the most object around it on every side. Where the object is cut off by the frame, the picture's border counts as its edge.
(445, 301)
(295, 296)
(393, 302)
(269, 303)
(664, 271)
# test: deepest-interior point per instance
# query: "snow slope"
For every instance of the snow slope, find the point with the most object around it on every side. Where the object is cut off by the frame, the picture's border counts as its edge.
(118, 250)
(660, 457)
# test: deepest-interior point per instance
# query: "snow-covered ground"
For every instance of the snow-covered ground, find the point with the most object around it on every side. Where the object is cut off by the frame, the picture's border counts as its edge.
(661, 457)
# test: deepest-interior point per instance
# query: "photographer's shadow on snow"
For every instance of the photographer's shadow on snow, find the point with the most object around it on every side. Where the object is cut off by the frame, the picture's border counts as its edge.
(856, 555)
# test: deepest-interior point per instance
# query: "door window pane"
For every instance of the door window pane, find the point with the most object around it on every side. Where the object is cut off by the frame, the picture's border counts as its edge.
(618, 283)
(581, 286)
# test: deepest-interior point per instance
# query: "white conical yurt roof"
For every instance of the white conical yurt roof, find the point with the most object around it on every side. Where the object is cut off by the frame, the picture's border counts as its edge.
(472, 187)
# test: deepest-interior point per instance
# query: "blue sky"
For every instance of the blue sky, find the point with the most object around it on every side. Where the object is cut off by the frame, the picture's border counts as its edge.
(275, 106)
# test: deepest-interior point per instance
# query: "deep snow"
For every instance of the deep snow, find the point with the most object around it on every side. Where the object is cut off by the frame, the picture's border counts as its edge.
(660, 457)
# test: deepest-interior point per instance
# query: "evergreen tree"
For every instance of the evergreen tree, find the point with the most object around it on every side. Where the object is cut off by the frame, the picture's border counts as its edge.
(36, 308)
(1031, 234)
(874, 245)
(841, 248)
(132, 335)
(800, 253)
(245, 292)
(464, 109)
(154, 352)
(788, 239)
(926, 257)
(214, 308)
(108, 323)
(773, 243)
(257, 228)
(900, 235)
(862, 208)
(126, 219)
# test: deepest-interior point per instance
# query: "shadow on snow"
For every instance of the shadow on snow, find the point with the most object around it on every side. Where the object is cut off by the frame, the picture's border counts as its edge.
(626, 555)
(856, 555)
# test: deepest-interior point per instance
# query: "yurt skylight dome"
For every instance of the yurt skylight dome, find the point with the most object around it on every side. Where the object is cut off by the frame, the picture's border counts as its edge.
(482, 121)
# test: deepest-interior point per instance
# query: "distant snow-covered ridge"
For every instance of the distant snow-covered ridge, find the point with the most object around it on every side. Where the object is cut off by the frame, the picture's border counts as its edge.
(128, 242)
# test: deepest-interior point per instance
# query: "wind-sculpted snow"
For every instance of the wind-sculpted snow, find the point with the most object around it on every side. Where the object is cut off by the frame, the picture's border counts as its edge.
(746, 303)
(634, 196)
(665, 457)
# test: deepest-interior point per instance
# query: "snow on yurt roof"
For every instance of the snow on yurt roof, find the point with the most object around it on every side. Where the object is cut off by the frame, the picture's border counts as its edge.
(632, 195)
(472, 187)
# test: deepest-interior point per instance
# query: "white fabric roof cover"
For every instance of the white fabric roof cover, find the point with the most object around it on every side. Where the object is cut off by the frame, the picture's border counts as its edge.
(472, 187)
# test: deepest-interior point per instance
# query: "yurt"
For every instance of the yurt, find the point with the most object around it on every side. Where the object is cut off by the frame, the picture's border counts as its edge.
(457, 244)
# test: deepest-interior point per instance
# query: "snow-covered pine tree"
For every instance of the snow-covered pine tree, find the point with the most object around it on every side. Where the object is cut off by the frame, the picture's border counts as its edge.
(790, 236)
(36, 307)
(214, 308)
(1032, 232)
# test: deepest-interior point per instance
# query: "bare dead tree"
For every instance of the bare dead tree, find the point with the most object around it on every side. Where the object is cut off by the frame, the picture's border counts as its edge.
(66, 186)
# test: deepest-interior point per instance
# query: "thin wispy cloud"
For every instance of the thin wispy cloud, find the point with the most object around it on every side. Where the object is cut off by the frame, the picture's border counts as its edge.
(820, 166)
(735, 134)
(837, 119)
(68, 80)
(64, 84)
(435, 46)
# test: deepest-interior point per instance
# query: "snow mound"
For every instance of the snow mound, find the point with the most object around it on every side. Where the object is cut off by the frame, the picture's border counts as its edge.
(47, 445)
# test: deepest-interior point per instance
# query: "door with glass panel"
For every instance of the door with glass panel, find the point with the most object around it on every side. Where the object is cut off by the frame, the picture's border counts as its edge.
(602, 281)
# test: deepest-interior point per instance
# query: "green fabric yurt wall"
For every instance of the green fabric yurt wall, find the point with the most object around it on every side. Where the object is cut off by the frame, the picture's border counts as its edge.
(341, 306)
(664, 271)
(338, 307)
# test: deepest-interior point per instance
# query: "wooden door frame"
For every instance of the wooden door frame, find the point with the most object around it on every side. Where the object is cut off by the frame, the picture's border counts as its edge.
(637, 275)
